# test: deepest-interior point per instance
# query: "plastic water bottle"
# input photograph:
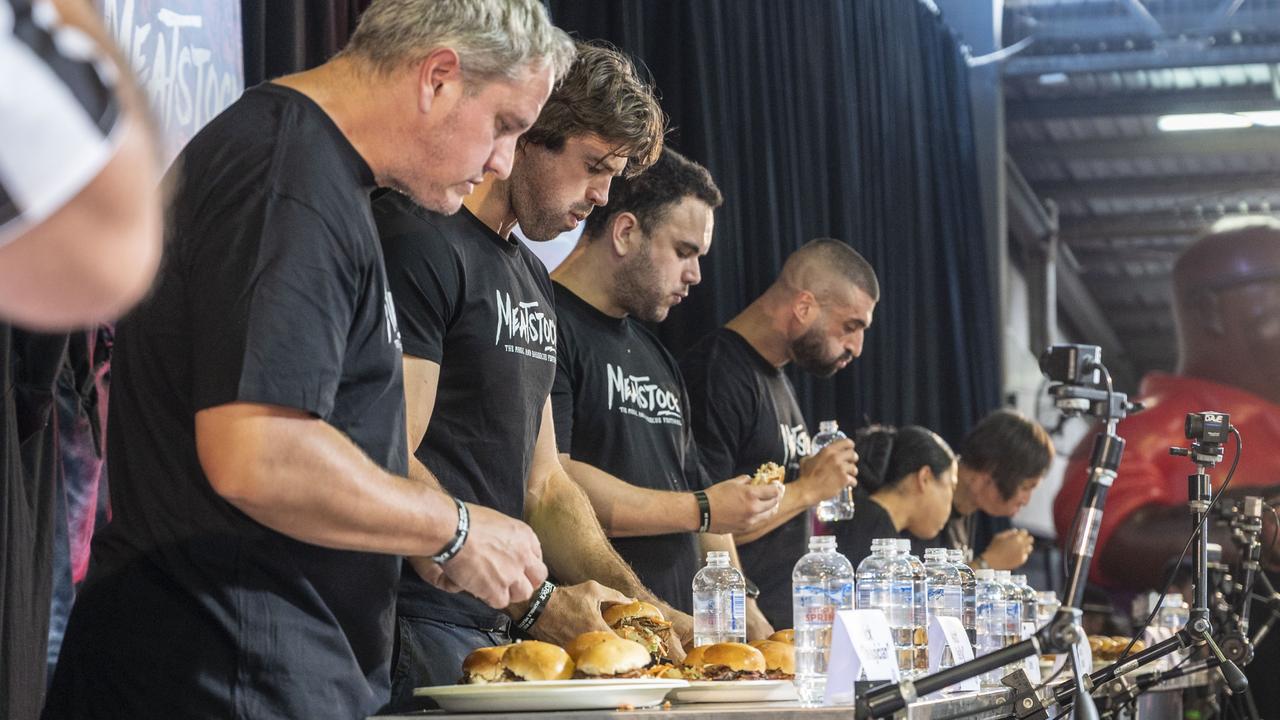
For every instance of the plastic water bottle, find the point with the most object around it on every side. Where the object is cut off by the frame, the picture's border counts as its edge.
(872, 589)
(945, 597)
(968, 588)
(719, 602)
(821, 585)
(990, 621)
(1046, 607)
(1173, 615)
(1012, 613)
(1028, 601)
(919, 607)
(900, 610)
(839, 507)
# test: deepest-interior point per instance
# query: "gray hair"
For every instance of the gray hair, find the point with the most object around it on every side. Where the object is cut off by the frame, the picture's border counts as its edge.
(493, 38)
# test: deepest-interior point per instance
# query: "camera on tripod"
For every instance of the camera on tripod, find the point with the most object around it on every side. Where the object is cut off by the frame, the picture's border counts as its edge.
(1077, 372)
(1208, 427)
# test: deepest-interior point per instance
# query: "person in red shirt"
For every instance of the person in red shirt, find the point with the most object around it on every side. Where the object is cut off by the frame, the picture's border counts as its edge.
(1226, 291)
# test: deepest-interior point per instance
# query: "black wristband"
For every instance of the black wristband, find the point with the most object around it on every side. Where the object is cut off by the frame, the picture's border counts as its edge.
(459, 537)
(536, 605)
(704, 509)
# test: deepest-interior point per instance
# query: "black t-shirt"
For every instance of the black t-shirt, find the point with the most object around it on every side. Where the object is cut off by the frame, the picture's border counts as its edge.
(481, 307)
(870, 521)
(620, 405)
(272, 291)
(744, 415)
(29, 470)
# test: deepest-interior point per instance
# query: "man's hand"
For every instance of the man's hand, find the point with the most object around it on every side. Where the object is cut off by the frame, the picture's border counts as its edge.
(573, 610)
(757, 627)
(500, 563)
(824, 475)
(738, 506)
(1009, 549)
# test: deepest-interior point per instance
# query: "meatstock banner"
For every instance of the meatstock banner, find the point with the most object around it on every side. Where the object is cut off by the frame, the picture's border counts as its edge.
(187, 55)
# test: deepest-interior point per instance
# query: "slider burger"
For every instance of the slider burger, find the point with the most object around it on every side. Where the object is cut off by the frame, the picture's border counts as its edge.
(779, 659)
(529, 660)
(769, 472)
(725, 661)
(575, 646)
(640, 622)
(613, 657)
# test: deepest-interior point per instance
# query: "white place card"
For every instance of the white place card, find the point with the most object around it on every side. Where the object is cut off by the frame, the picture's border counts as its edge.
(947, 634)
(861, 649)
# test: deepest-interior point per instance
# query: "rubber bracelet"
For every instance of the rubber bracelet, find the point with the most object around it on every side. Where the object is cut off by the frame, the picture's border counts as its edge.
(704, 509)
(459, 538)
(536, 606)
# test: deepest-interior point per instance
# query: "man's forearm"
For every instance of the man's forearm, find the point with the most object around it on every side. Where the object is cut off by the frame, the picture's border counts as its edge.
(574, 545)
(626, 510)
(794, 502)
(300, 476)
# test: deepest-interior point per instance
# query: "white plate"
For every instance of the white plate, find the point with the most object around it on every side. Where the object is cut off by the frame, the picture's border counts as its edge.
(551, 695)
(724, 691)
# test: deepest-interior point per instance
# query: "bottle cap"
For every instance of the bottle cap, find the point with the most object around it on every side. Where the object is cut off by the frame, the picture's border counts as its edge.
(1018, 579)
(1003, 574)
(828, 426)
(718, 557)
(822, 542)
(986, 574)
(1173, 600)
(935, 553)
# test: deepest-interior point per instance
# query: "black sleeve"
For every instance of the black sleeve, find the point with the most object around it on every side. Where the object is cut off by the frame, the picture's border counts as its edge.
(425, 274)
(720, 404)
(270, 322)
(695, 475)
(563, 390)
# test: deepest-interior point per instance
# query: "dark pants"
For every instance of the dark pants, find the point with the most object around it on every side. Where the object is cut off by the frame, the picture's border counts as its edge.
(430, 652)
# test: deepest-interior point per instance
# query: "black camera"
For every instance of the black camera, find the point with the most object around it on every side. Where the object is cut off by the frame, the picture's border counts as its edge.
(1072, 364)
(1208, 427)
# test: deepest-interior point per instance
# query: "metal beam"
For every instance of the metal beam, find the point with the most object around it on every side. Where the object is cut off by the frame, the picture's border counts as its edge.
(1248, 98)
(1158, 224)
(1207, 186)
(1174, 55)
(1243, 141)
(1140, 24)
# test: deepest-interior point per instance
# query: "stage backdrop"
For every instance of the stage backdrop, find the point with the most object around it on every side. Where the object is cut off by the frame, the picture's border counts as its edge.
(188, 56)
(842, 119)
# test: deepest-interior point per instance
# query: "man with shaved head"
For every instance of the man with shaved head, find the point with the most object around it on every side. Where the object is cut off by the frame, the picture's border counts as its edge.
(745, 411)
(1226, 291)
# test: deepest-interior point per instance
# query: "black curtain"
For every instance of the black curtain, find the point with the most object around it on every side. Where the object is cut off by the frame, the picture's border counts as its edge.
(285, 36)
(842, 119)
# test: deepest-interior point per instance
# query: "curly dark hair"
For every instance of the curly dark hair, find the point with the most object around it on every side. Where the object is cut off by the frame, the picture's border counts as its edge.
(649, 196)
(1010, 446)
(603, 95)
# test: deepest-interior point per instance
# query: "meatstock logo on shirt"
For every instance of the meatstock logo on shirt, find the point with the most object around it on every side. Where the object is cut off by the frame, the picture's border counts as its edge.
(529, 331)
(389, 320)
(795, 438)
(635, 395)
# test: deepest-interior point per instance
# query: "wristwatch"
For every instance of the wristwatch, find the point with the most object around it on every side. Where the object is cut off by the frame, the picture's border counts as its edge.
(753, 592)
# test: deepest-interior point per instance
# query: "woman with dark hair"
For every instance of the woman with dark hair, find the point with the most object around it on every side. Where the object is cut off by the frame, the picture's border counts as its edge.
(905, 480)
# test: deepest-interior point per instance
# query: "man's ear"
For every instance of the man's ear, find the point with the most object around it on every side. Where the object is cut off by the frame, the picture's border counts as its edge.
(625, 233)
(439, 78)
(805, 308)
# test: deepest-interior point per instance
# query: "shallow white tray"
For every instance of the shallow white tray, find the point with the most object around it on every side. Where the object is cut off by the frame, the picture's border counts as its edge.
(732, 691)
(551, 695)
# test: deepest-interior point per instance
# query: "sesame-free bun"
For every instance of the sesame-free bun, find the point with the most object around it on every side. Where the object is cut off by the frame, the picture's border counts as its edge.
(484, 665)
(613, 656)
(615, 614)
(534, 660)
(787, 636)
(778, 656)
(693, 658)
(576, 646)
(735, 656)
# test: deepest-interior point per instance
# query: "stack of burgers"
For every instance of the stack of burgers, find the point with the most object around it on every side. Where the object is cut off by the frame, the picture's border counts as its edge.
(772, 659)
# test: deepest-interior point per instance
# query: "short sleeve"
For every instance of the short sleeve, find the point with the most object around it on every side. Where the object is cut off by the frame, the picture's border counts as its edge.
(270, 314)
(719, 406)
(58, 113)
(563, 390)
(425, 275)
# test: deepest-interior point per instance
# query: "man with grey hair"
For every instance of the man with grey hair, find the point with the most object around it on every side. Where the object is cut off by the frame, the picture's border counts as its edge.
(745, 411)
(257, 445)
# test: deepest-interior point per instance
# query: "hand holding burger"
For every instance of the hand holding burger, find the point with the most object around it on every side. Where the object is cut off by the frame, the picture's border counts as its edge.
(642, 623)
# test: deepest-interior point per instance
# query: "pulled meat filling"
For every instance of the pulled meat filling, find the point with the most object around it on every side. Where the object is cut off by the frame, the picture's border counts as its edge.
(724, 672)
(507, 676)
(779, 675)
(637, 673)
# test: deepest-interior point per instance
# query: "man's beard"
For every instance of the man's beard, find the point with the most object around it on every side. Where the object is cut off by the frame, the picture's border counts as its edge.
(637, 287)
(539, 222)
(807, 351)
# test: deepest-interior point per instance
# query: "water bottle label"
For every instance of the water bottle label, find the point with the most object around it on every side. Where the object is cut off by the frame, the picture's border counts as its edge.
(737, 618)
(842, 595)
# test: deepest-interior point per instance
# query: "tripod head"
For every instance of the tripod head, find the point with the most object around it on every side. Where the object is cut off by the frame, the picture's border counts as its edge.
(1207, 432)
(1082, 384)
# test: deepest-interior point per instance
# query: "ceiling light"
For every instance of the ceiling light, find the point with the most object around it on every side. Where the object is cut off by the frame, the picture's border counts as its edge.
(1202, 121)
(1265, 118)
